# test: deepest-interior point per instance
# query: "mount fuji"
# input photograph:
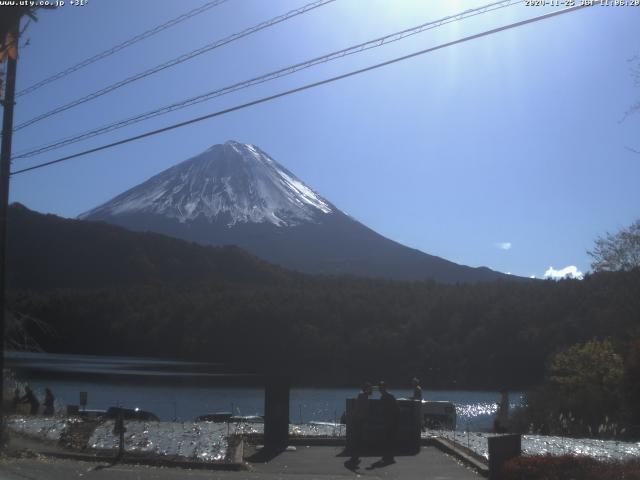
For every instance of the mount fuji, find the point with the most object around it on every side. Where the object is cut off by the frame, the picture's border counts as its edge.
(235, 193)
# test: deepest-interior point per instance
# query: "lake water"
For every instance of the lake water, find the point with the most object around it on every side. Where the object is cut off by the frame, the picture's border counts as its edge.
(183, 390)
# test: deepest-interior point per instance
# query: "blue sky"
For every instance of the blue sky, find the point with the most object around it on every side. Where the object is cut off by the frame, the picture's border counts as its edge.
(508, 151)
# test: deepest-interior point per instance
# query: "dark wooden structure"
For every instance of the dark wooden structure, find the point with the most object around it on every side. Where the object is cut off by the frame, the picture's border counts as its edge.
(501, 449)
(276, 413)
(407, 435)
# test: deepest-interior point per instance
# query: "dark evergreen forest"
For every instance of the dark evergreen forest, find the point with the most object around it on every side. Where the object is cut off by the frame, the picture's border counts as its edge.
(104, 290)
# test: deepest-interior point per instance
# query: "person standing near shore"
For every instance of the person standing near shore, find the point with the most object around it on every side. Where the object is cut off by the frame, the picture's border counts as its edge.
(48, 402)
(30, 398)
(15, 401)
(390, 415)
(501, 422)
(360, 419)
(417, 389)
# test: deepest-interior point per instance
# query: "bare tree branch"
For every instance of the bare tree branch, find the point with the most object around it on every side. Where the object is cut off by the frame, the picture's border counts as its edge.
(619, 251)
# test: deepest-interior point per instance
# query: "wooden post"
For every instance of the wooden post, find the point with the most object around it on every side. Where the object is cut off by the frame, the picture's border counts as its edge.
(119, 429)
(5, 169)
(276, 413)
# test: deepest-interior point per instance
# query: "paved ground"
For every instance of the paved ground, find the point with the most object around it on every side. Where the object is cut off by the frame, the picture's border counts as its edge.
(329, 462)
(324, 463)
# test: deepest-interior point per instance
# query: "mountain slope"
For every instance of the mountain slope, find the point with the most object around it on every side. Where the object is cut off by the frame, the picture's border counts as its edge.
(236, 194)
(46, 251)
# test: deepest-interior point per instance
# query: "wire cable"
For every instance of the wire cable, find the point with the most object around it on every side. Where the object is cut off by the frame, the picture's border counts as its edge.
(375, 43)
(304, 87)
(176, 61)
(121, 46)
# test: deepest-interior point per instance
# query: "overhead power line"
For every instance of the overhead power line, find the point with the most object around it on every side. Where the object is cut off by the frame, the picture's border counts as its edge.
(375, 43)
(176, 61)
(121, 46)
(303, 88)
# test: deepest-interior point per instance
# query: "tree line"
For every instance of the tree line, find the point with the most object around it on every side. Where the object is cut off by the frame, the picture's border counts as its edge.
(336, 331)
(92, 288)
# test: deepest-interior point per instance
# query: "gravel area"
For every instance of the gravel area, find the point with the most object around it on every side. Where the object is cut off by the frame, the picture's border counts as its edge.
(551, 445)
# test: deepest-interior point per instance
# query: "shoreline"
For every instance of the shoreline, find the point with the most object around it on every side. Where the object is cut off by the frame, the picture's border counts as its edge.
(160, 370)
(212, 442)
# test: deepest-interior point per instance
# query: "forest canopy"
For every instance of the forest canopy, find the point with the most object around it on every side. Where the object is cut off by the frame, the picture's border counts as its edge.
(104, 290)
(341, 330)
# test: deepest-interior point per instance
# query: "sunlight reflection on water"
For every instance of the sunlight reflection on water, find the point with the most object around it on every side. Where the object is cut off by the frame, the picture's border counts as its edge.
(473, 410)
(207, 441)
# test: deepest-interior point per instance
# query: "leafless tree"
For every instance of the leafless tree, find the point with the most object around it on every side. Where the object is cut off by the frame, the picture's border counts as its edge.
(619, 251)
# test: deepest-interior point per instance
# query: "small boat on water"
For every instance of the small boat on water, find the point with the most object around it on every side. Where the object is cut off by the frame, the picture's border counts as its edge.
(88, 414)
(247, 419)
(112, 413)
(438, 415)
(228, 417)
(325, 424)
(130, 414)
(218, 417)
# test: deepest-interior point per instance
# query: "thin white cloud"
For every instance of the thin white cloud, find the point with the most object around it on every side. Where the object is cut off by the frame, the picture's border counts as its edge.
(503, 245)
(567, 272)
(532, 276)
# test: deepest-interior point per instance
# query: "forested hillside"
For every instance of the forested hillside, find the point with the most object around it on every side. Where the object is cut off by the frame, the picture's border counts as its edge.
(105, 290)
(47, 251)
(335, 331)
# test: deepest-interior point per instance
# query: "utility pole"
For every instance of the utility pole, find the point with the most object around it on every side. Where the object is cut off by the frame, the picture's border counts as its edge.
(5, 169)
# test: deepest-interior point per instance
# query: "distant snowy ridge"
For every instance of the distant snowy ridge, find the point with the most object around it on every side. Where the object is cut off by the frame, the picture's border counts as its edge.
(235, 182)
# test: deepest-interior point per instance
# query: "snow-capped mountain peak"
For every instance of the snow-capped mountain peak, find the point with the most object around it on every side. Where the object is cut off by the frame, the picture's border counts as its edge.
(233, 182)
(236, 194)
